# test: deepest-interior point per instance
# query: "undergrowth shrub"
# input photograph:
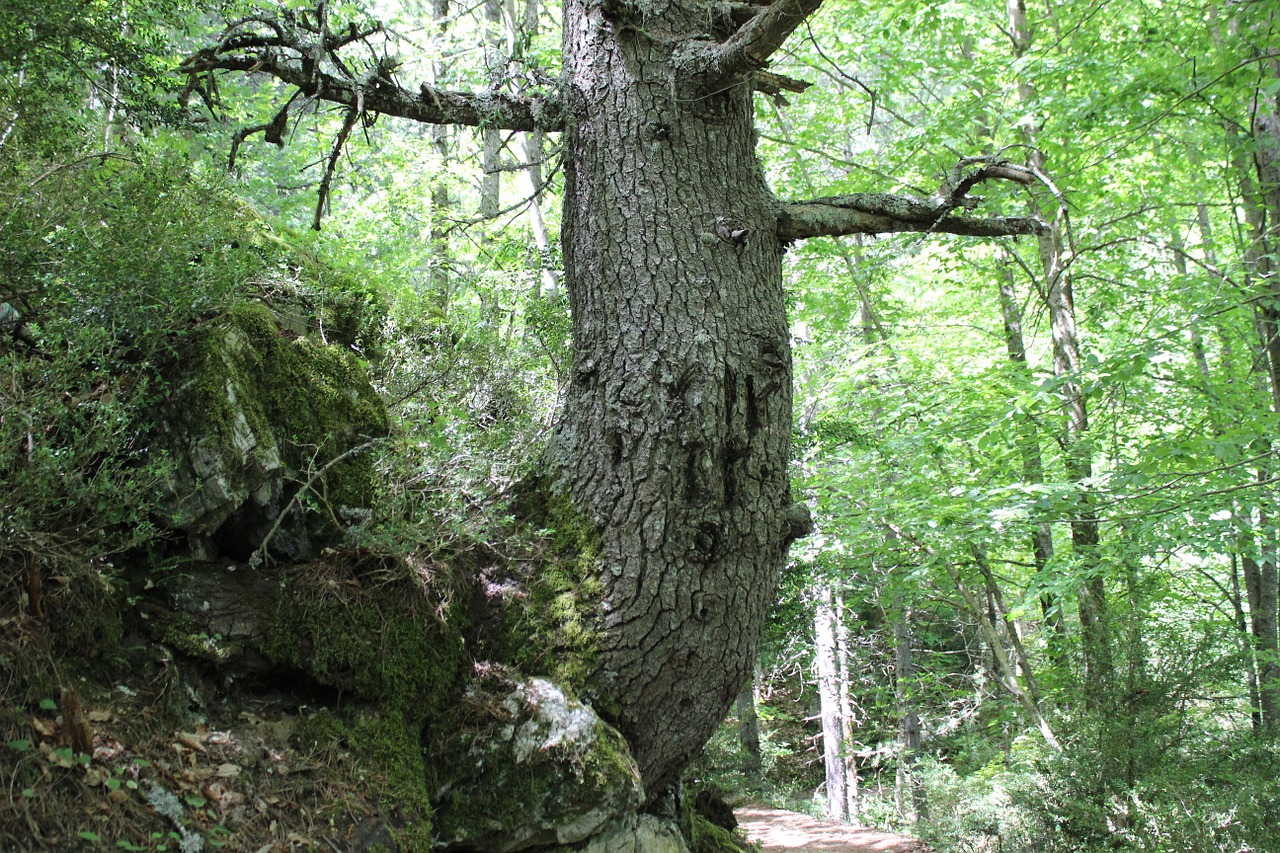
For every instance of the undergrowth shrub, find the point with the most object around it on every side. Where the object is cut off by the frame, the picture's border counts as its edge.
(113, 264)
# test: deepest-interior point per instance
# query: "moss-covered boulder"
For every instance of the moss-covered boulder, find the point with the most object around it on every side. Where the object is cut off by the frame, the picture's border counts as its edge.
(634, 834)
(372, 644)
(523, 764)
(260, 413)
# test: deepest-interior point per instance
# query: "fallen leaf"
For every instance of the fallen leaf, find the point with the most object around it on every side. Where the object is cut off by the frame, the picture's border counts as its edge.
(44, 727)
(99, 716)
(224, 797)
(190, 740)
(226, 771)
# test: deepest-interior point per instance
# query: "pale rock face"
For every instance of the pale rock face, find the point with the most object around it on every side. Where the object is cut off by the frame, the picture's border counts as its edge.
(542, 769)
(240, 435)
(637, 834)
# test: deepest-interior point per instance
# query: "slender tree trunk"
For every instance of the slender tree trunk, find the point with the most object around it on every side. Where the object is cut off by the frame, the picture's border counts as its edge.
(1266, 270)
(1265, 627)
(1032, 461)
(828, 672)
(853, 804)
(909, 726)
(496, 61)
(749, 726)
(1260, 191)
(1247, 650)
(1056, 291)
(548, 282)
(441, 203)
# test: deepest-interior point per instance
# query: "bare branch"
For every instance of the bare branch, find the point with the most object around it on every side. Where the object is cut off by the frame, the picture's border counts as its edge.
(348, 123)
(884, 213)
(304, 54)
(749, 49)
(774, 85)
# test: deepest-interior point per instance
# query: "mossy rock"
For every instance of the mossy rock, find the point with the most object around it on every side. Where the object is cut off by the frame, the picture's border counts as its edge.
(523, 764)
(386, 634)
(379, 628)
(259, 413)
(635, 834)
(550, 627)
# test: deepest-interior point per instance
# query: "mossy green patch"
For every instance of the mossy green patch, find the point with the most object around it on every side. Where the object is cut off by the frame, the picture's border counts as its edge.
(383, 632)
(258, 397)
(703, 835)
(376, 628)
(554, 632)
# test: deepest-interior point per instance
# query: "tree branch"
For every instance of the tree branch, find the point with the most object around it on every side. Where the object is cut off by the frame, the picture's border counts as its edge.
(883, 213)
(749, 49)
(306, 57)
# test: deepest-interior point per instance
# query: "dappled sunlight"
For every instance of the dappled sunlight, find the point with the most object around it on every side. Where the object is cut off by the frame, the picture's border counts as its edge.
(777, 830)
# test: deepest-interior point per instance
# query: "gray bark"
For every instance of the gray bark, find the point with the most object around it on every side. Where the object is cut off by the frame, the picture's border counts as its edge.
(828, 676)
(678, 418)
(749, 727)
(675, 440)
(844, 654)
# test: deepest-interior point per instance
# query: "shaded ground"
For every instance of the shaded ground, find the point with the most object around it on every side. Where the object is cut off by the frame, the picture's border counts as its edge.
(777, 830)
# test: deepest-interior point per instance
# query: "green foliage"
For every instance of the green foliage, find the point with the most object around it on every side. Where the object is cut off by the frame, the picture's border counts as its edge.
(64, 65)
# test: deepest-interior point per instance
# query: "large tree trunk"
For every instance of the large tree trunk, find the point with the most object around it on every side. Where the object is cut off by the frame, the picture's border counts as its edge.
(676, 435)
(675, 441)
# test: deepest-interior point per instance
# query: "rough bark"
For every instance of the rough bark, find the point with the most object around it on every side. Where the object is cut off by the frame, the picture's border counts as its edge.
(676, 436)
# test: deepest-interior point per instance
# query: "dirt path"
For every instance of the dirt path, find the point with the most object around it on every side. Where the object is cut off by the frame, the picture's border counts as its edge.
(779, 831)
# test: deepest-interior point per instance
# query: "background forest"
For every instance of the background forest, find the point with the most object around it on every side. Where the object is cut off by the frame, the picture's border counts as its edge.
(1038, 610)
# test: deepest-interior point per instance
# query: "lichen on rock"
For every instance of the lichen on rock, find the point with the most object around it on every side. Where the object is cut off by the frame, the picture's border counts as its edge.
(524, 764)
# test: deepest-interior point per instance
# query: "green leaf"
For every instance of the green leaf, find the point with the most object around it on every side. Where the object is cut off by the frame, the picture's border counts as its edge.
(22, 745)
(48, 705)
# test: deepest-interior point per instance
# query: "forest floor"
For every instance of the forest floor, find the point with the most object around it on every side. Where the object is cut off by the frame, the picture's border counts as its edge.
(778, 830)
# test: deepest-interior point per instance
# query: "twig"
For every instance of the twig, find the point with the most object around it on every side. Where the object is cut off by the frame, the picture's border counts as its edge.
(353, 115)
(260, 554)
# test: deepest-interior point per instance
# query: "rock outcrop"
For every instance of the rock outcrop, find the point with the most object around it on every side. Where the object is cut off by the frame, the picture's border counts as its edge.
(526, 765)
(266, 422)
